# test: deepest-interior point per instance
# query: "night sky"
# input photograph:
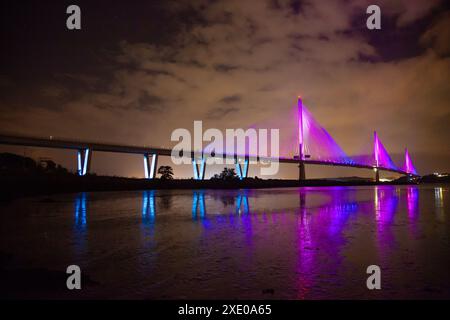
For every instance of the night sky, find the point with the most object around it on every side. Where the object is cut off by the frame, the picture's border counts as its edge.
(140, 69)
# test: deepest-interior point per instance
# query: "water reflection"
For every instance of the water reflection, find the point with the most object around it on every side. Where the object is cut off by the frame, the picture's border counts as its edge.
(240, 201)
(198, 205)
(80, 210)
(337, 204)
(166, 201)
(306, 255)
(385, 203)
(412, 198)
(331, 213)
(439, 203)
(80, 224)
(305, 239)
(320, 234)
(148, 206)
(242, 204)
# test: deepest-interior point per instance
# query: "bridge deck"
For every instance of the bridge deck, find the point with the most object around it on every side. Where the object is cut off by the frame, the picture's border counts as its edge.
(59, 143)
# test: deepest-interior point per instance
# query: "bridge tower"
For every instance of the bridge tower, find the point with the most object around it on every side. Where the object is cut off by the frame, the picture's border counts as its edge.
(301, 164)
(150, 164)
(199, 172)
(376, 153)
(83, 161)
(242, 171)
(409, 166)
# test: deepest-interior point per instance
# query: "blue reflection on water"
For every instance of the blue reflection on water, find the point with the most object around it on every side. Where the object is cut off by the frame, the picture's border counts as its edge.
(198, 205)
(242, 208)
(80, 210)
(242, 204)
(148, 206)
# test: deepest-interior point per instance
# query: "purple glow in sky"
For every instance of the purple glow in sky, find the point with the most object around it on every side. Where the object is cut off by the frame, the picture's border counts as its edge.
(381, 156)
(318, 143)
(409, 166)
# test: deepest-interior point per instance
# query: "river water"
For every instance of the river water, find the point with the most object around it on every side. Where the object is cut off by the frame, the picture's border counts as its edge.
(292, 243)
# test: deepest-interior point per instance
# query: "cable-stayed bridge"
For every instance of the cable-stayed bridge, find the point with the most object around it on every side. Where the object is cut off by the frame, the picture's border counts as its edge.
(315, 146)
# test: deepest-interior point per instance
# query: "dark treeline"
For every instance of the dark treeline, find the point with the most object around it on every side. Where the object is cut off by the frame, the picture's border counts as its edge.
(15, 164)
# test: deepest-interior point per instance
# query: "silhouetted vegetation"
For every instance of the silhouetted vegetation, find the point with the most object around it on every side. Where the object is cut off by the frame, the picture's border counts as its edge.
(14, 164)
(227, 174)
(433, 178)
(166, 172)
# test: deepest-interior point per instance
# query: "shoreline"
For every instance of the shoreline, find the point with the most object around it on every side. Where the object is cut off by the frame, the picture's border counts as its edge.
(16, 186)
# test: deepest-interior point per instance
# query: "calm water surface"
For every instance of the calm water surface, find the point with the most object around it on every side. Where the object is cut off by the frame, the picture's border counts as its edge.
(293, 243)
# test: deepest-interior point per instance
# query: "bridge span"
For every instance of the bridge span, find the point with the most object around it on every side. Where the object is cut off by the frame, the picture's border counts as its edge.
(312, 139)
(151, 154)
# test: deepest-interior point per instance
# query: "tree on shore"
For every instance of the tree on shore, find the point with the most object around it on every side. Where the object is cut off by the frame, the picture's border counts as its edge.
(226, 174)
(166, 172)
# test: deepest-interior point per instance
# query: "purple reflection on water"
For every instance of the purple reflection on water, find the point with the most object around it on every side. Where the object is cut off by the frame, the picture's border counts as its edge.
(243, 209)
(385, 205)
(412, 196)
(301, 237)
(320, 234)
(290, 243)
(306, 255)
(412, 203)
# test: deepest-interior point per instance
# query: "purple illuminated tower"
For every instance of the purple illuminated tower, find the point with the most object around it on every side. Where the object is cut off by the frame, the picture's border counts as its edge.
(408, 167)
(382, 160)
(301, 164)
(376, 153)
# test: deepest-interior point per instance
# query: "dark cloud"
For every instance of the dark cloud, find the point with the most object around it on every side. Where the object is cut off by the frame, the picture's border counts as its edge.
(438, 35)
(231, 99)
(148, 102)
(225, 67)
(221, 112)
